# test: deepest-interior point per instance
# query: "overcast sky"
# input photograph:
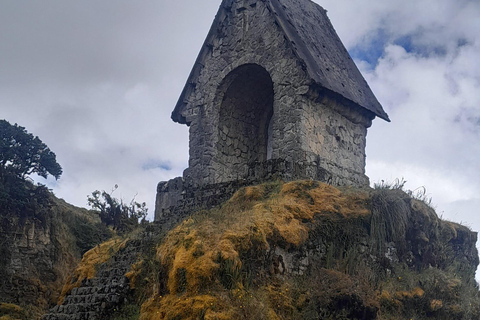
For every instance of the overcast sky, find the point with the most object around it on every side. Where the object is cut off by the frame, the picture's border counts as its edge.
(97, 80)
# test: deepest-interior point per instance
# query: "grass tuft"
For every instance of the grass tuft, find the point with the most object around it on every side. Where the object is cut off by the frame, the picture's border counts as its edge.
(92, 259)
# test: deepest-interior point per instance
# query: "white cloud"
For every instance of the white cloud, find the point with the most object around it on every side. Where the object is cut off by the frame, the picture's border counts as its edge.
(426, 75)
(97, 82)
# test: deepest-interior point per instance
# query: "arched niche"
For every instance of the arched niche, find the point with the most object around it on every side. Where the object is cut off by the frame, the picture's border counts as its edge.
(244, 127)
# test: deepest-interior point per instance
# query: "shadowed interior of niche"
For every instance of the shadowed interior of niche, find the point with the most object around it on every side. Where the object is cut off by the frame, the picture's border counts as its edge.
(246, 109)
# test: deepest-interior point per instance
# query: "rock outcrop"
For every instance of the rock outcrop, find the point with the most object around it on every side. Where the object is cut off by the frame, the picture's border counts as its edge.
(300, 250)
(40, 247)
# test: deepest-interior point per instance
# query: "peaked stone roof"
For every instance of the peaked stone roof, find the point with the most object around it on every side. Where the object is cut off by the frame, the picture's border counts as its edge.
(314, 40)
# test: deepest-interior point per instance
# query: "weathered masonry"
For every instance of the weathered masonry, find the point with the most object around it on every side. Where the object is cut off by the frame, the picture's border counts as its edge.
(273, 94)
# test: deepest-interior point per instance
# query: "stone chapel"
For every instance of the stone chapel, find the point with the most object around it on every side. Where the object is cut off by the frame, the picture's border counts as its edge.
(273, 94)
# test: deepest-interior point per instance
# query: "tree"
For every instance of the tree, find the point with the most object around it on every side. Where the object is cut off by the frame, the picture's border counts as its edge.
(22, 154)
(113, 212)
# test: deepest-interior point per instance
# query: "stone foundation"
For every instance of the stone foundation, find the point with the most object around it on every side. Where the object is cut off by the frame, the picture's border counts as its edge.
(179, 197)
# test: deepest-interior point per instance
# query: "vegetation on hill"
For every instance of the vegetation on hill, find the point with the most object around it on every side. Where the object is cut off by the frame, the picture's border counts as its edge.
(42, 241)
(305, 250)
(22, 154)
(114, 212)
(42, 238)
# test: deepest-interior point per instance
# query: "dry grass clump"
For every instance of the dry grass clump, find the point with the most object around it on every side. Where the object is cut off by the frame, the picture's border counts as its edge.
(87, 269)
(10, 311)
(133, 273)
(206, 256)
(430, 294)
(186, 307)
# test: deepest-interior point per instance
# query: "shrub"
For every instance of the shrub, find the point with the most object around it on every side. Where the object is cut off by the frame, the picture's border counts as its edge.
(116, 213)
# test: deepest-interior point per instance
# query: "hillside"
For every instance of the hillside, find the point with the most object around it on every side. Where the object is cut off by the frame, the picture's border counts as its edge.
(42, 241)
(299, 250)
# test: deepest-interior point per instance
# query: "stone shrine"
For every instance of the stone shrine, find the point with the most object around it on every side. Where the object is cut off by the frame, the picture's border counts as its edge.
(273, 94)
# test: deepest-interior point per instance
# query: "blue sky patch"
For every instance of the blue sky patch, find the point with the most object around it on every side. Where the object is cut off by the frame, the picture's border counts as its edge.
(405, 42)
(156, 164)
(371, 49)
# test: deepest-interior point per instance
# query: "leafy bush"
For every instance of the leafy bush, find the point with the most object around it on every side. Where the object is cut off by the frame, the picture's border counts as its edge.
(114, 212)
(87, 233)
(21, 200)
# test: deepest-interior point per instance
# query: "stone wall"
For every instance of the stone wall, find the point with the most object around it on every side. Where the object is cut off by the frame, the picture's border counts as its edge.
(253, 101)
(248, 37)
(177, 198)
(337, 134)
(245, 112)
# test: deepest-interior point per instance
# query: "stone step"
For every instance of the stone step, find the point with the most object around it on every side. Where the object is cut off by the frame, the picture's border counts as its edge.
(98, 295)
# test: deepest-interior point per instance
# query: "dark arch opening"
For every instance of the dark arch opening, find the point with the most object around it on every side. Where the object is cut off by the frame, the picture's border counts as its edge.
(245, 126)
